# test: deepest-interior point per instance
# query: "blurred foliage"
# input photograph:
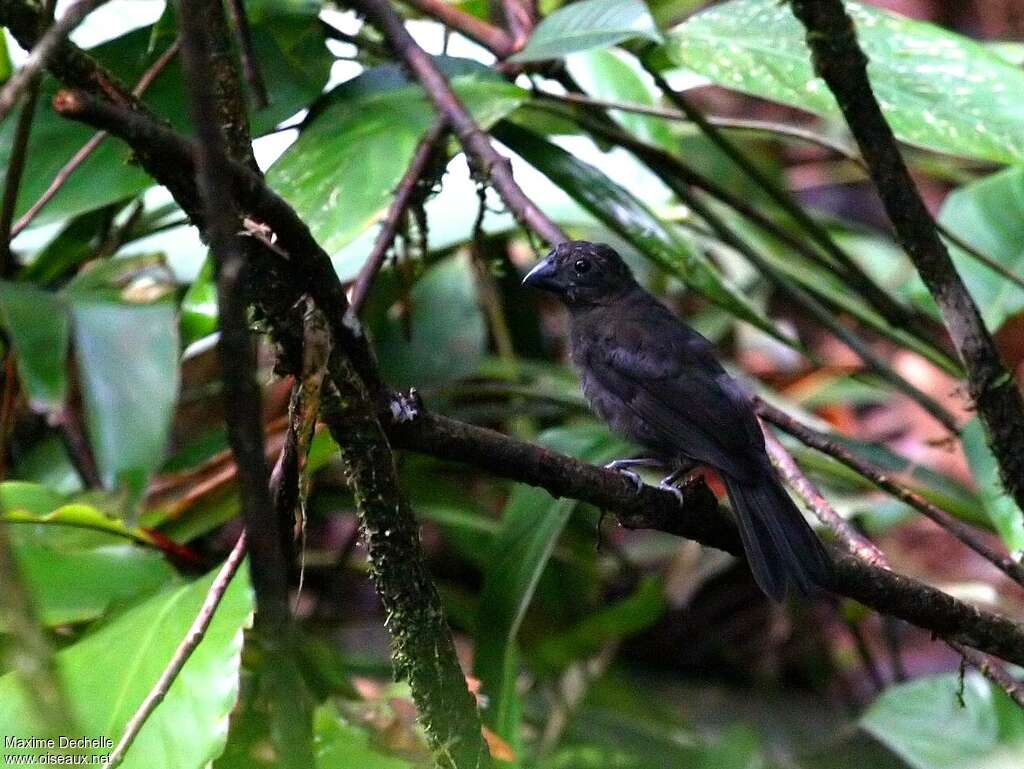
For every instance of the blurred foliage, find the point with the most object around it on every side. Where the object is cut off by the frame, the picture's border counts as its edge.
(588, 646)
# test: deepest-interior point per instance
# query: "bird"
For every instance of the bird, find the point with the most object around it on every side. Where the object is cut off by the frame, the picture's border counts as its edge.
(657, 382)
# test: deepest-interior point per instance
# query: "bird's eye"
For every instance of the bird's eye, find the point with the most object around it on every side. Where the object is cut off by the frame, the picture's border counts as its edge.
(582, 266)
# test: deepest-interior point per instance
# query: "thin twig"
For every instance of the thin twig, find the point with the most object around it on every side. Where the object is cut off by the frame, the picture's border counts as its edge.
(808, 302)
(404, 194)
(494, 39)
(484, 159)
(839, 60)
(885, 304)
(12, 180)
(38, 59)
(181, 655)
(250, 65)
(882, 480)
(90, 146)
(732, 123)
(978, 255)
(993, 671)
(849, 537)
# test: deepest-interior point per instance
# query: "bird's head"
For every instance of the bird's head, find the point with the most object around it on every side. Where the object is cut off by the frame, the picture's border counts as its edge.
(581, 273)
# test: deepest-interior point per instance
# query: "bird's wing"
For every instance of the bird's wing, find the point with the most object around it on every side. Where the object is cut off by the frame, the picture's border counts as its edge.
(667, 375)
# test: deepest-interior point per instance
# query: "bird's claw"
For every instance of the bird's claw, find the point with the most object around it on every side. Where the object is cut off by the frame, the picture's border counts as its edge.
(667, 485)
(622, 468)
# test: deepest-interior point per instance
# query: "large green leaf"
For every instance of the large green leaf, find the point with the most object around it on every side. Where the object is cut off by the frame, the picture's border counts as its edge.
(79, 584)
(938, 90)
(342, 171)
(289, 43)
(1000, 507)
(445, 345)
(630, 218)
(926, 725)
(37, 322)
(989, 215)
(615, 76)
(531, 525)
(588, 24)
(107, 675)
(128, 360)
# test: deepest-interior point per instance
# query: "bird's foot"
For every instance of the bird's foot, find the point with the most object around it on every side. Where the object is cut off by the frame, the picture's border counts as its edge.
(668, 485)
(670, 482)
(622, 466)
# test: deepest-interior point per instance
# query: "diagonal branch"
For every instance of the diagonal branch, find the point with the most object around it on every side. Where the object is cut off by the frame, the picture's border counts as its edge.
(42, 52)
(881, 479)
(404, 195)
(484, 159)
(181, 655)
(83, 154)
(839, 60)
(494, 39)
(703, 521)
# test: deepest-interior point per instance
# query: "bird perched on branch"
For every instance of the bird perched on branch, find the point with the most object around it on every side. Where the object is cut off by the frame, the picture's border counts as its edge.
(656, 381)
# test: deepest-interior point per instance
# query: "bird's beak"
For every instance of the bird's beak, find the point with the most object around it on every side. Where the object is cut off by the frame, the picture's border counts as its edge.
(544, 276)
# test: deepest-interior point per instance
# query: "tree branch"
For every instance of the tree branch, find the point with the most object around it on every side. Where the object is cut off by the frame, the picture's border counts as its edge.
(42, 52)
(495, 40)
(700, 519)
(881, 479)
(181, 655)
(404, 195)
(484, 159)
(839, 60)
(83, 154)
(213, 101)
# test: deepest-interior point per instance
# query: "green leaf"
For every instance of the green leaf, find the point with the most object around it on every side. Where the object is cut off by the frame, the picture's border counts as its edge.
(289, 44)
(938, 90)
(5, 60)
(588, 24)
(37, 322)
(128, 360)
(340, 745)
(35, 504)
(341, 173)
(615, 76)
(631, 219)
(924, 723)
(199, 306)
(989, 215)
(80, 584)
(530, 527)
(107, 675)
(444, 346)
(999, 506)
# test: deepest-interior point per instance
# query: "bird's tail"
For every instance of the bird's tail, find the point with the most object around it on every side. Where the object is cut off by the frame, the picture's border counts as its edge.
(781, 547)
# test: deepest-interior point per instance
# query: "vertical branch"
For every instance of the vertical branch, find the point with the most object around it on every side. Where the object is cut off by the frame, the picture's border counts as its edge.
(839, 60)
(269, 568)
(12, 180)
(423, 651)
(250, 66)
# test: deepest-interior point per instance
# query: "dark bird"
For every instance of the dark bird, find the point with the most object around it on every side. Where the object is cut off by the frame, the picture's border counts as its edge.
(656, 381)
